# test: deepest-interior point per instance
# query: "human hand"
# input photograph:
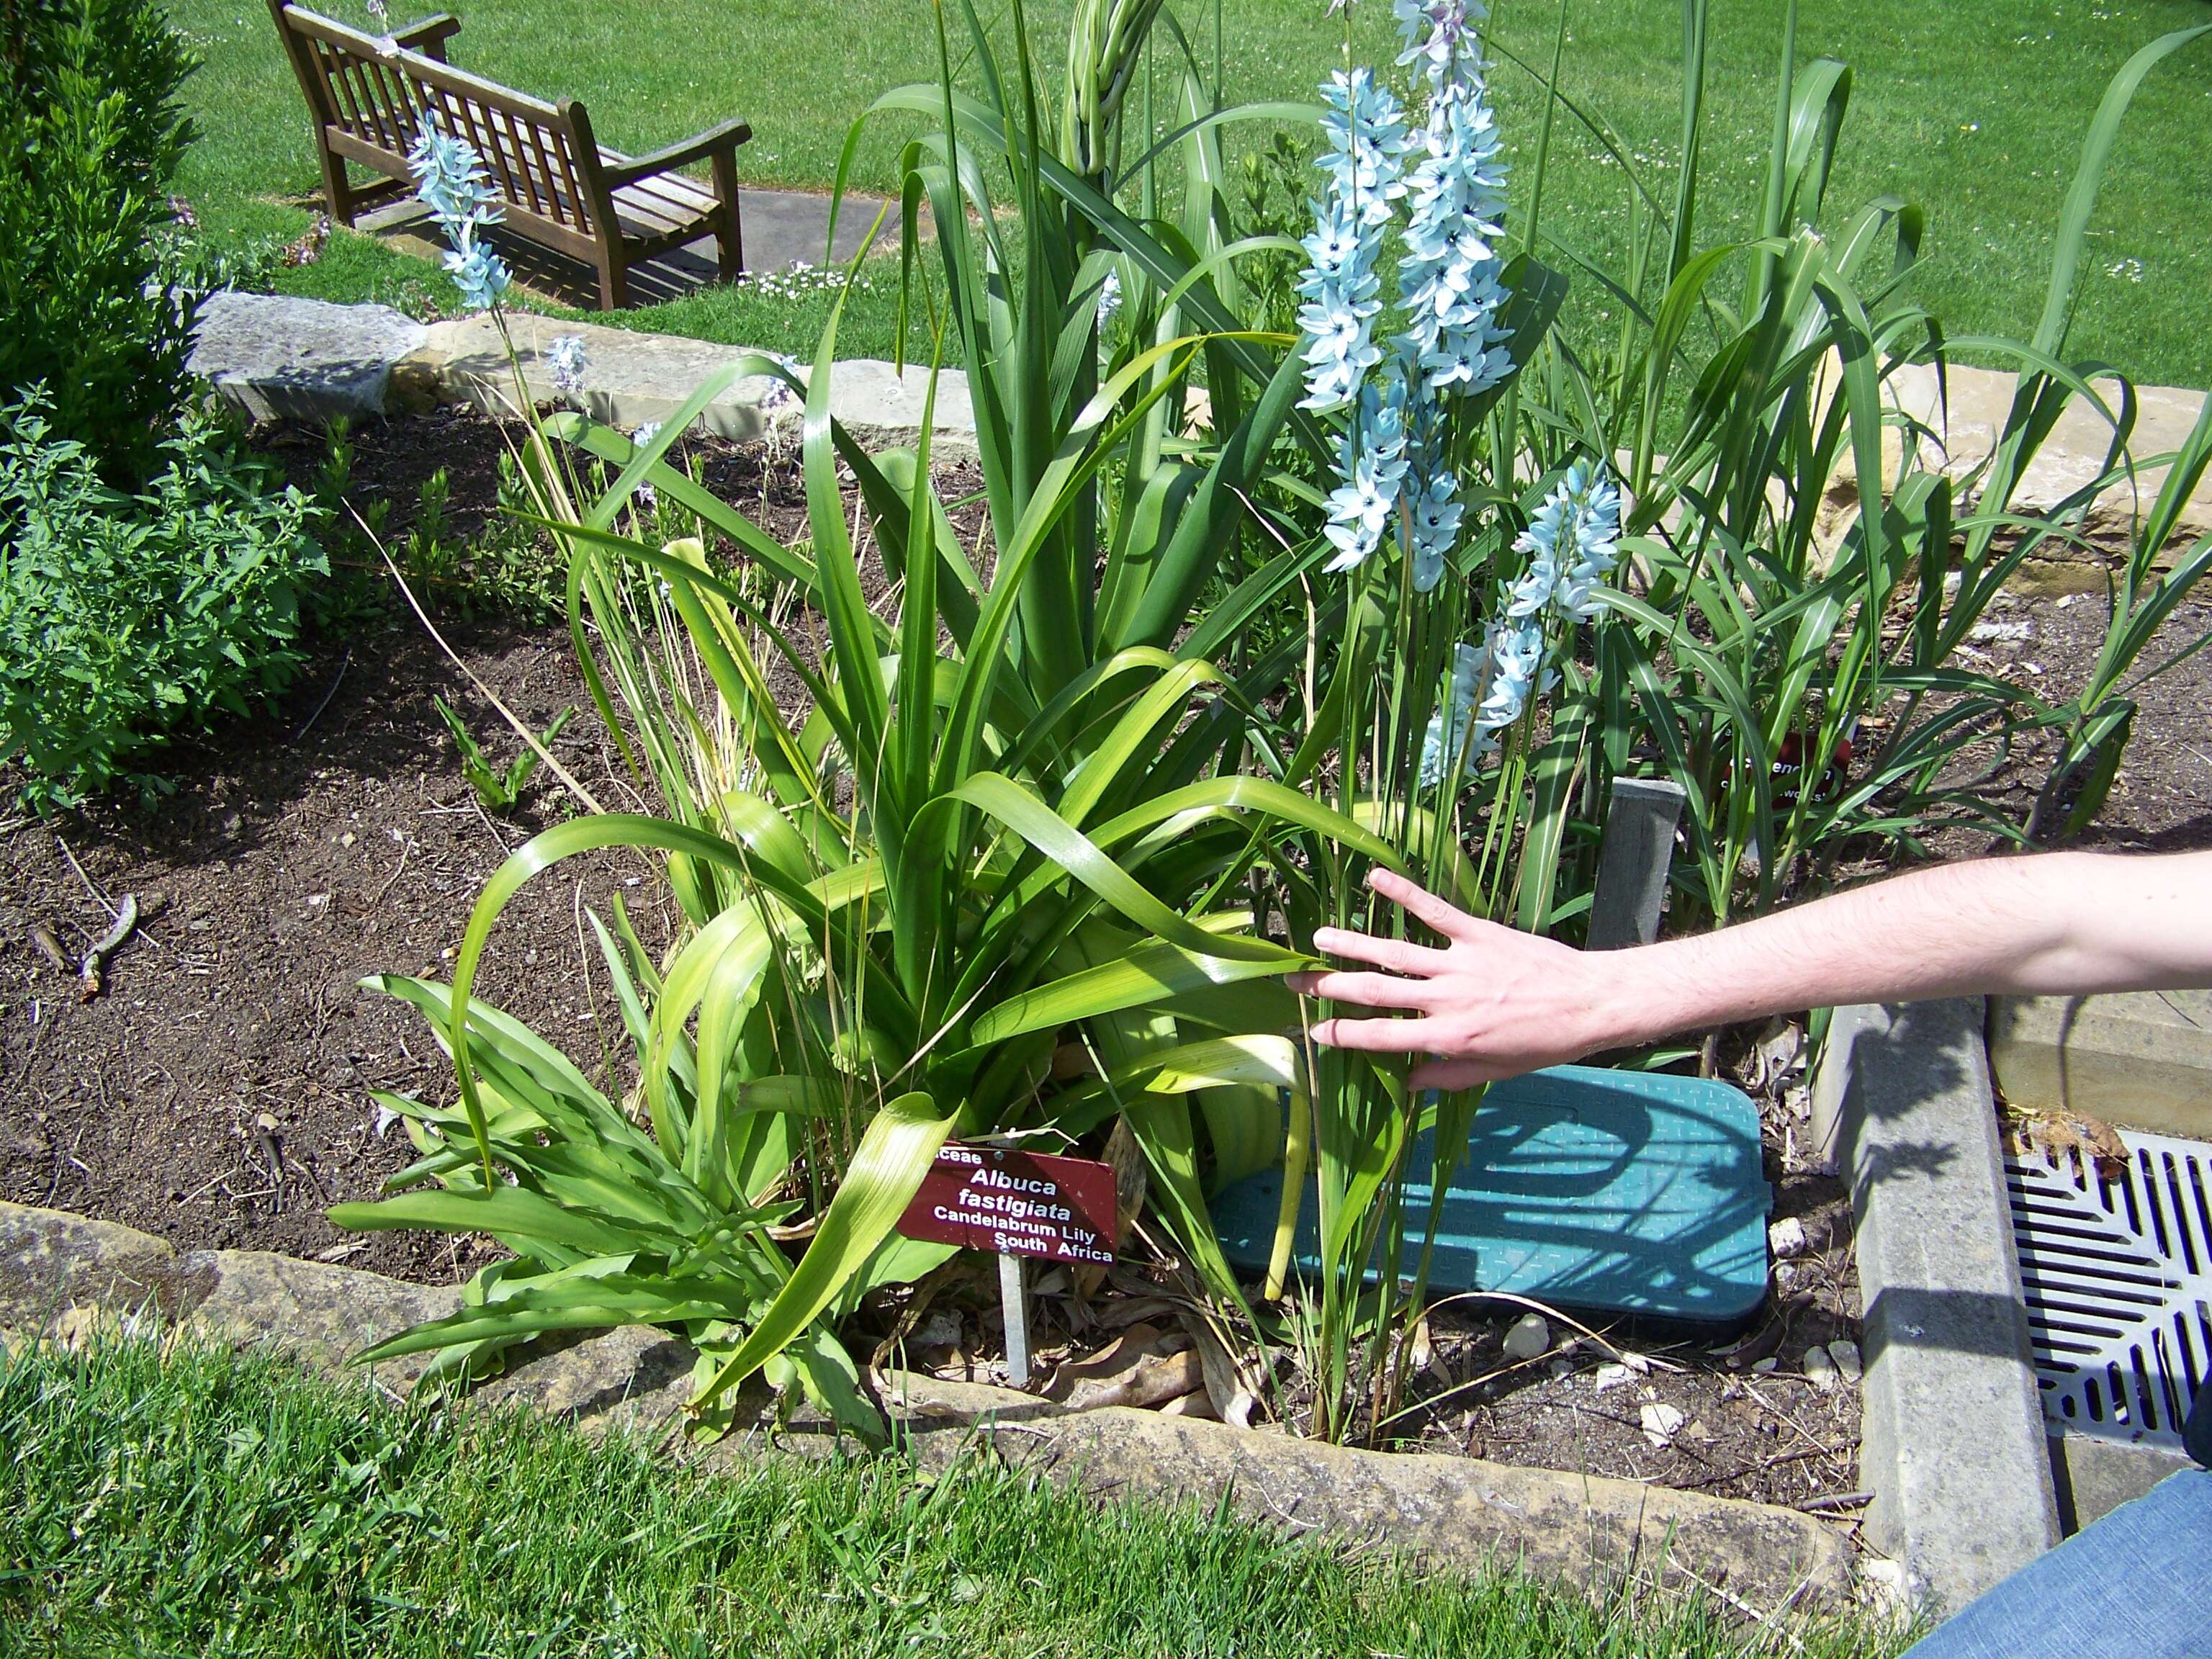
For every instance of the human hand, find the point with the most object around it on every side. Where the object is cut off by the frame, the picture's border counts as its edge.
(1493, 1004)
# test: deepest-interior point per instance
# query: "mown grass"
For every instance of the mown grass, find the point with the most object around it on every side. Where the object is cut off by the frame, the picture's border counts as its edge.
(1976, 109)
(220, 1504)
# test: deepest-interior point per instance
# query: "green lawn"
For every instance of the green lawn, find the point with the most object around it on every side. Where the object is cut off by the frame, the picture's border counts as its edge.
(1974, 108)
(220, 1504)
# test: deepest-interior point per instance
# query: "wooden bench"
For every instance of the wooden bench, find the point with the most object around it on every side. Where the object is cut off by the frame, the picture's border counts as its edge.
(368, 97)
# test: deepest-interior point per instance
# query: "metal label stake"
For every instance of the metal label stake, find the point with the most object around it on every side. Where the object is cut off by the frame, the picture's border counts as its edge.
(1014, 1298)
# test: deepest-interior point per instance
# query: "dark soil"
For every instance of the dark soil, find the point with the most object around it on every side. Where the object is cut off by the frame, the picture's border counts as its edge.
(218, 1092)
(2161, 801)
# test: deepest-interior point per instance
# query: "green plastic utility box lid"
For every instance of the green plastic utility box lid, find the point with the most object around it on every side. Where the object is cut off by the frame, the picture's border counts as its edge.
(1608, 1192)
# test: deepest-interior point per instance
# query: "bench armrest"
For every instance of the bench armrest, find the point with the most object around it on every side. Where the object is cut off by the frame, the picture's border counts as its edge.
(714, 141)
(429, 36)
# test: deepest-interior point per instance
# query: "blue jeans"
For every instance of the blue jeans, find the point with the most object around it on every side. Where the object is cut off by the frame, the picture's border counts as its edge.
(2136, 1584)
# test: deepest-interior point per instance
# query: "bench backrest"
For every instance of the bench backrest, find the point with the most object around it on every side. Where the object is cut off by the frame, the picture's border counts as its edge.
(370, 98)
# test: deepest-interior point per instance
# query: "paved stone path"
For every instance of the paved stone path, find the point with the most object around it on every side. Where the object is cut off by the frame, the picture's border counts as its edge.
(782, 228)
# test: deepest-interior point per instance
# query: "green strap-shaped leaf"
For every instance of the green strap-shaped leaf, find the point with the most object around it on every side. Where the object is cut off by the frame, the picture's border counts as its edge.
(886, 1171)
(1002, 798)
(515, 1217)
(579, 1304)
(1151, 974)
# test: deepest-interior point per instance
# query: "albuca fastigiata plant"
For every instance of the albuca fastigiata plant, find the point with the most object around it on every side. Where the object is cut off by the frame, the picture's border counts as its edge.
(990, 875)
(1454, 712)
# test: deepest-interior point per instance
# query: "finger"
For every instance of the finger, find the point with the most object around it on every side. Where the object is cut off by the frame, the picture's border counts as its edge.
(1450, 1074)
(1376, 1037)
(1368, 990)
(1402, 956)
(1416, 900)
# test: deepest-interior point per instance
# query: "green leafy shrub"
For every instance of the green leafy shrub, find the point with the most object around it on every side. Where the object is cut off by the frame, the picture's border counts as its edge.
(124, 618)
(90, 136)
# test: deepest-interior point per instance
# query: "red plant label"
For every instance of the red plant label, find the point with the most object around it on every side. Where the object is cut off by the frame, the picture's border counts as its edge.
(1016, 1203)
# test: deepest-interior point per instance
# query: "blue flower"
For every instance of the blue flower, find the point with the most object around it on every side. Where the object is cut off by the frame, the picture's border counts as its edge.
(647, 495)
(478, 273)
(1450, 273)
(1394, 457)
(1433, 516)
(1439, 34)
(1572, 542)
(564, 360)
(1445, 745)
(1516, 656)
(777, 395)
(450, 178)
(1366, 134)
(1371, 460)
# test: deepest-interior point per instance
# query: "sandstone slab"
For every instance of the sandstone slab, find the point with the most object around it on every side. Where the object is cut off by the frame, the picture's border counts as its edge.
(53, 1263)
(629, 378)
(636, 1378)
(276, 357)
(321, 1314)
(1461, 1512)
(280, 358)
(1953, 423)
(2140, 1061)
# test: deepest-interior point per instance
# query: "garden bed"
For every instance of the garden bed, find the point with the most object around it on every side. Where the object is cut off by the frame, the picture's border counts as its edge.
(217, 1093)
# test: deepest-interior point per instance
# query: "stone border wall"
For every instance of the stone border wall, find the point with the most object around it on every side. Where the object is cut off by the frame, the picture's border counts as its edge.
(276, 358)
(62, 1275)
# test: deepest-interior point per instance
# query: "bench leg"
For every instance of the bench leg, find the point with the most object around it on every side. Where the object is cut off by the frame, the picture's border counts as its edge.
(729, 238)
(337, 198)
(614, 281)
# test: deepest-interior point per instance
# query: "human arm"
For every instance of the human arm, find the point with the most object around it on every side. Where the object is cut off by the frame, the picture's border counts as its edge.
(1493, 1002)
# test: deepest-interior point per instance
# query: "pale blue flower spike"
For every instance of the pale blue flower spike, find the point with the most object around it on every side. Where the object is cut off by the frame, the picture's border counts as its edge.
(1392, 458)
(1572, 541)
(645, 495)
(565, 361)
(450, 179)
(1447, 736)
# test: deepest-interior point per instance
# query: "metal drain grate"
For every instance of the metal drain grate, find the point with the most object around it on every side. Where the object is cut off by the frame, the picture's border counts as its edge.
(2118, 1276)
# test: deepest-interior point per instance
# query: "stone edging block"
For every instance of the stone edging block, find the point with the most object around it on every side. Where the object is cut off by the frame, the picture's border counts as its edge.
(275, 356)
(1952, 1443)
(60, 1273)
(280, 358)
(2141, 1060)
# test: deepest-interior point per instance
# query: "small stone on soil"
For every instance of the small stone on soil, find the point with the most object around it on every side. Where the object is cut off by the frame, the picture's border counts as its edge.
(1530, 1338)
(939, 1330)
(1660, 1421)
(1786, 1238)
(1849, 1365)
(1819, 1370)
